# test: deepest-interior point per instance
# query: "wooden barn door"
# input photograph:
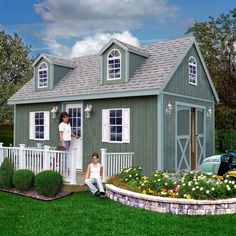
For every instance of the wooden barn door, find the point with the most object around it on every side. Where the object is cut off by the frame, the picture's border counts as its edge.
(190, 138)
(183, 138)
(200, 137)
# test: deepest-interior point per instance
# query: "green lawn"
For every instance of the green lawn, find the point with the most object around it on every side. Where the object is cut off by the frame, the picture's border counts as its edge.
(83, 214)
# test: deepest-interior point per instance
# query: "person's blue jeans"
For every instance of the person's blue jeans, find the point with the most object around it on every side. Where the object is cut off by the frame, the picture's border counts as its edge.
(67, 143)
(91, 184)
(65, 164)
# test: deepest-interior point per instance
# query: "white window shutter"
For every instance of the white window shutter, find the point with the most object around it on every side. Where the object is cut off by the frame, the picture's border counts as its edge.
(46, 125)
(105, 125)
(126, 125)
(32, 125)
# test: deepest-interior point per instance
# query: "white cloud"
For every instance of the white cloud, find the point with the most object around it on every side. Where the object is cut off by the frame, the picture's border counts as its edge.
(92, 45)
(71, 18)
(66, 19)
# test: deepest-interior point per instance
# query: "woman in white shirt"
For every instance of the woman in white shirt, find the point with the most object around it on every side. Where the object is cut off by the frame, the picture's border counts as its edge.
(65, 131)
(94, 176)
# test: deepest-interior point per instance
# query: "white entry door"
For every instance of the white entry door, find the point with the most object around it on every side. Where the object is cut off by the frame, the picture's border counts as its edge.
(75, 114)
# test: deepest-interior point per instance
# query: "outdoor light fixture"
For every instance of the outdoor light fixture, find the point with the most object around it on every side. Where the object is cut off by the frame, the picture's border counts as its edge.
(169, 109)
(209, 113)
(54, 111)
(88, 110)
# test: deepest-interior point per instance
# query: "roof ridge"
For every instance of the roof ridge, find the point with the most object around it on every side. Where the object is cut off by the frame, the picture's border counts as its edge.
(168, 40)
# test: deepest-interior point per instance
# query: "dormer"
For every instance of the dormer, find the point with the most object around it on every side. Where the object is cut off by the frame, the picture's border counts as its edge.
(49, 70)
(119, 61)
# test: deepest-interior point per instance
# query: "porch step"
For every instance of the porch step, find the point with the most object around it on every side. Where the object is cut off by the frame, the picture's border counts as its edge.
(79, 186)
(74, 187)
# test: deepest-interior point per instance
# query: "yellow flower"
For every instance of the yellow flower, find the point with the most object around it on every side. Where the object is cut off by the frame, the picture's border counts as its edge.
(188, 196)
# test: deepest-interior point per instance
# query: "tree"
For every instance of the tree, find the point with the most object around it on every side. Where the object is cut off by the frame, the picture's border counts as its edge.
(217, 41)
(15, 70)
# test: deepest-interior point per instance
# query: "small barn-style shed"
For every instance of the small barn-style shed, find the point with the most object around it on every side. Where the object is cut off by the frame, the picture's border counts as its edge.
(156, 101)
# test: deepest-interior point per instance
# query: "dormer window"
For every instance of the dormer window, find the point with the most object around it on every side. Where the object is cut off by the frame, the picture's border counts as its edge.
(43, 75)
(114, 65)
(192, 70)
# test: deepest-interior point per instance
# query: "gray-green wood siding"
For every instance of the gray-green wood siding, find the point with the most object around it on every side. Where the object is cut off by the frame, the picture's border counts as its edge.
(134, 62)
(59, 73)
(22, 124)
(143, 130)
(179, 83)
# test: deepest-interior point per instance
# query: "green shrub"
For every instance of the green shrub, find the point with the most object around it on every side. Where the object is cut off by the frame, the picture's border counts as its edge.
(6, 174)
(224, 139)
(23, 180)
(48, 183)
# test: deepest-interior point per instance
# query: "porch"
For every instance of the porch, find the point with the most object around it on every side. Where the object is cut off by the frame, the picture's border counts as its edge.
(38, 159)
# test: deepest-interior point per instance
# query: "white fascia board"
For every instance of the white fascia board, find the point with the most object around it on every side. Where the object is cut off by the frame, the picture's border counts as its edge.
(207, 72)
(39, 58)
(109, 44)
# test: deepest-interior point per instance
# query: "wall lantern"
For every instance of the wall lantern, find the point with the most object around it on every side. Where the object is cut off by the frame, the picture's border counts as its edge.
(169, 109)
(54, 111)
(88, 110)
(209, 113)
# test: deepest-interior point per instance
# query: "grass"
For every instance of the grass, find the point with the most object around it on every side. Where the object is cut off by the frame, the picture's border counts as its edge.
(83, 214)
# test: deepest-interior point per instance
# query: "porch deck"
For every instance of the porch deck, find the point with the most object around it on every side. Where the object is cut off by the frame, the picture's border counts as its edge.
(78, 187)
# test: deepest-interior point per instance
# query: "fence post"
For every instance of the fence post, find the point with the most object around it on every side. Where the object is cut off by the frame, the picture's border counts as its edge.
(22, 157)
(103, 162)
(1, 153)
(73, 166)
(46, 163)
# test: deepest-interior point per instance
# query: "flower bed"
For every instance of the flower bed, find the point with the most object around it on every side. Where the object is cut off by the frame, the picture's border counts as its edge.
(171, 205)
(188, 185)
(181, 193)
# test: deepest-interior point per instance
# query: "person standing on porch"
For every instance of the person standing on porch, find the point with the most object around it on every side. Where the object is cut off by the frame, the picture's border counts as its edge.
(65, 131)
(94, 176)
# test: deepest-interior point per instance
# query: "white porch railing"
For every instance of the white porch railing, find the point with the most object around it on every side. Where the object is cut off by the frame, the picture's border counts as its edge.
(113, 163)
(40, 159)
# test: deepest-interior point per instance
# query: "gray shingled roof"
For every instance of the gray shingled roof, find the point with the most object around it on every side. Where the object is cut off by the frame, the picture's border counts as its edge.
(85, 78)
(131, 48)
(61, 61)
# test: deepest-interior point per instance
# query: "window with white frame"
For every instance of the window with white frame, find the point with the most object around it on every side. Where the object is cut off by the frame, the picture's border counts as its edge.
(192, 70)
(116, 125)
(114, 65)
(43, 75)
(39, 125)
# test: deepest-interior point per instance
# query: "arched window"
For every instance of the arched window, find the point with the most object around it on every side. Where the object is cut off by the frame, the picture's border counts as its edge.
(43, 75)
(114, 65)
(192, 70)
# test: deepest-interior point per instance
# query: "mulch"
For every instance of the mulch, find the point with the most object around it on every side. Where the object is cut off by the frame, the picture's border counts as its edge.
(33, 194)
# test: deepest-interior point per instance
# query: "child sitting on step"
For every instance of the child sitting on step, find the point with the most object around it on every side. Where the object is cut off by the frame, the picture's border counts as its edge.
(93, 177)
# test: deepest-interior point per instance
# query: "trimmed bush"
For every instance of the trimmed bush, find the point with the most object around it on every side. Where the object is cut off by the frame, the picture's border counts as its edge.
(23, 180)
(48, 183)
(6, 174)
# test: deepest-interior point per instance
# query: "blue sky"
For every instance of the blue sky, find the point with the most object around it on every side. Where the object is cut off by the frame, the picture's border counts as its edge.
(79, 27)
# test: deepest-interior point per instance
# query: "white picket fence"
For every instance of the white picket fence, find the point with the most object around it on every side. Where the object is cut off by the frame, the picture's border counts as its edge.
(40, 159)
(113, 162)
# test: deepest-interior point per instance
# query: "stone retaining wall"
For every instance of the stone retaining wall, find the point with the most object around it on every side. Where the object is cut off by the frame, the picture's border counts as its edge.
(171, 205)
